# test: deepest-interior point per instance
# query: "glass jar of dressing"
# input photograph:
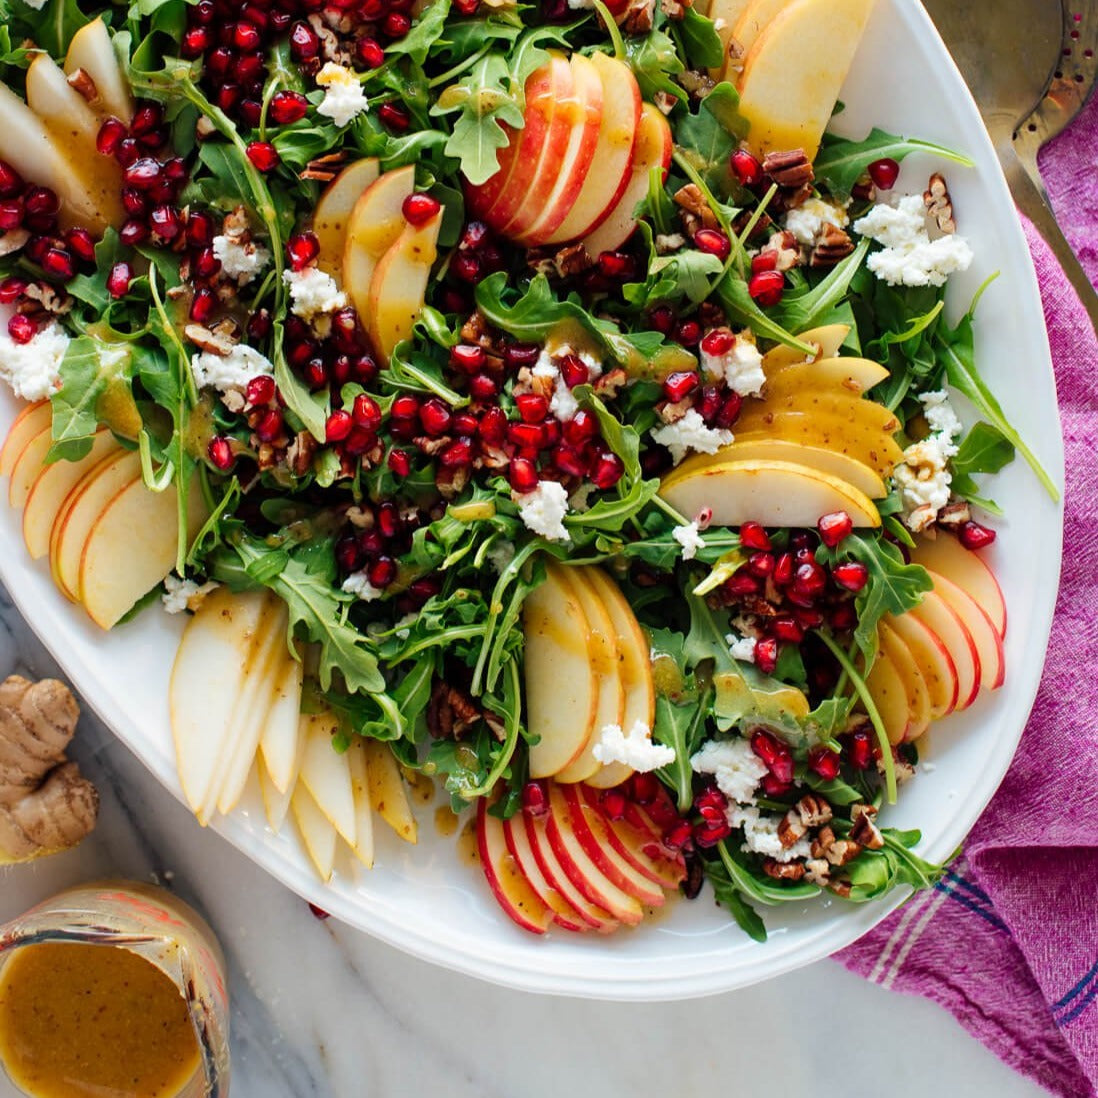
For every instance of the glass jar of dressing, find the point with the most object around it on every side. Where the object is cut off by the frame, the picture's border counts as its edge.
(113, 990)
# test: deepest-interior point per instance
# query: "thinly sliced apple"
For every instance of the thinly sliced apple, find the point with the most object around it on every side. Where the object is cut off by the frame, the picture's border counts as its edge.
(375, 223)
(724, 14)
(853, 376)
(320, 837)
(276, 802)
(334, 209)
(398, 286)
(934, 661)
(91, 49)
(918, 695)
(606, 659)
(81, 510)
(889, 693)
(966, 568)
(31, 419)
(327, 774)
(827, 340)
(509, 885)
(27, 467)
(388, 797)
(842, 466)
(775, 493)
(281, 741)
(854, 412)
(654, 148)
(793, 73)
(210, 666)
(52, 486)
(131, 546)
(534, 224)
(984, 635)
(364, 816)
(518, 843)
(616, 148)
(561, 688)
(941, 619)
(751, 23)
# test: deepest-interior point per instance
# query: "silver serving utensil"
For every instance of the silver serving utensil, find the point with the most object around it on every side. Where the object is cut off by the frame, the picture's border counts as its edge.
(1031, 65)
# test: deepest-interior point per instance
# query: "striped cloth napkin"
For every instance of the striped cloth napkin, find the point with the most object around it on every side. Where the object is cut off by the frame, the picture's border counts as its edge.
(1008, 940)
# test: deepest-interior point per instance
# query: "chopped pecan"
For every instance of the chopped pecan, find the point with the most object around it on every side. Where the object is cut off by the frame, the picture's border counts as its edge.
(823, 842)
(361, 518)
(572, 260)
(672, 411)
(791, 828)
(53, 301)
(331, 49)
(904, 770)
(205, 340)
(665, 101)
(450, 712)
(611, 382)
(299, 456)
(817, 871)
(865, 190)
(840, 887)
(496, 726)
(324, 168)
(787, 252)
(758, 230)
(832, 244)
(431, 446)
(842, 851)
(675, 9)
(789, 168)
(938, 203)
(734, 49)
(955, 514)
(691, 199)
(813, 810)
(666, 243)
(492, 457)
(638, 17)
(451, 482)
(82, 83)
(863, 827)
(13, 240)
(204, 128)
(783, 871)
(236, 225)
(711, 315)
(227, 329)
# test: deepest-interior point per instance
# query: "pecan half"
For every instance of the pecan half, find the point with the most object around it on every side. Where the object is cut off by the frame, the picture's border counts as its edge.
(82, 83)
(450, 712)
(863, 828)
(817, 871)
(954, 514)
(299, 456)
(831, 245)
(789, 168)
(791, 828)
(638, 17)
(938, 203)
(205, 340)
(783, 871)
(813, 810)
(787, 252)
(691, 199)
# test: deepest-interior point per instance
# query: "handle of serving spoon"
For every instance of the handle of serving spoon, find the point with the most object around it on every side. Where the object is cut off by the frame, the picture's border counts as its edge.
(1029, 192)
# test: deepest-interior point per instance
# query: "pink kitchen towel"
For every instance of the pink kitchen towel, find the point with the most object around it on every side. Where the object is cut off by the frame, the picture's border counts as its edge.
(1008, 940)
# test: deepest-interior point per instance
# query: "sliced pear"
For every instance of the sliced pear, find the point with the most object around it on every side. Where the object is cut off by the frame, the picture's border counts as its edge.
(388, 796)
(276, 802)
(775, 493)
(364, 816)
(320, 837)
(327, 774)
(27, 467)
(889, 694)
(851, 376)
(918, 696)
(753, 19)
(335, 208)
(858, 414)
(724, 14)
(827, 340)
(32, 419)
(280, 741)
(91, 49)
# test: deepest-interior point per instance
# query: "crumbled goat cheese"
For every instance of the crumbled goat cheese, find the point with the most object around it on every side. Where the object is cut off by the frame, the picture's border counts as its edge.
(635, 750)
(761, 835)
(736, 767)
(923, 476)
(241, 260)
(563, 404)
(690, 539)
(939, 413)
(909, 257)
(806, 221)
(184, 594)
(359, 585)
(690, 433)
(500, 555)
(741, 648)
(740, 366)
(33, 369)
(543, 510)
(314, 293)
(344, 98)
(229, 373)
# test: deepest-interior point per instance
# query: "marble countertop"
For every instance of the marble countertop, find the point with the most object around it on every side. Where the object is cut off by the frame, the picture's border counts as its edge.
(321, 1009)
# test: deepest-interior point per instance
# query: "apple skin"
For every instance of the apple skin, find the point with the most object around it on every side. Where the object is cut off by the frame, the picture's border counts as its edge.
(28, 465)
(918, 696)
(565, 915)
(984, 635)
(942, 620)
(509, 885)
(968, 570)
(334, 209)
(30, 420)
(933, 659)
(637, 839)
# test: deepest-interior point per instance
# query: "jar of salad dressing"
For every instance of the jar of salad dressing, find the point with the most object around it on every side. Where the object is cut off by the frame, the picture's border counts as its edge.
(113, 990)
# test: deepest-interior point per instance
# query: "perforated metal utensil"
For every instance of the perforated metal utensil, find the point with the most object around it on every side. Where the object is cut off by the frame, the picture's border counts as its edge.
(1031, 65)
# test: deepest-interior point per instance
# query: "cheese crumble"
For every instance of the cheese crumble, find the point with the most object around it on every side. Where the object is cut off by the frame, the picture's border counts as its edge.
(543, 510)
(635, 750)
(344, 100)
(33, 370)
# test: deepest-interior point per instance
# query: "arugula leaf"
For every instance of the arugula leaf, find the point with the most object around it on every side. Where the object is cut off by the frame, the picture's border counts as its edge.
(92, 373)
(802, 309)
(680, 725)
(731, 898)
(52, 27)
(842, 162)
(426, 31)
(708, 137)
(654, 61)
(700, 41)
(873, 873)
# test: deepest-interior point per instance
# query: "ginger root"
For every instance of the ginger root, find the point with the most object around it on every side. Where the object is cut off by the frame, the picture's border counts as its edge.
(45, 803)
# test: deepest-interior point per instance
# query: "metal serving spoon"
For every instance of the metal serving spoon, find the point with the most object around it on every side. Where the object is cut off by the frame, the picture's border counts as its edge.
(1031, 64)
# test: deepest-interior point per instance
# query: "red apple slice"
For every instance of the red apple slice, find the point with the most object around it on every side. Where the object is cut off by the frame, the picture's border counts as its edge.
(942, 620)
(985, 636)
(968, 570)
(918, 696)
(933, 659)
(654, 147)
(639, 837)
(617, 143)
(27, 467)
(508, 883)
(518, 843)
(32, 419)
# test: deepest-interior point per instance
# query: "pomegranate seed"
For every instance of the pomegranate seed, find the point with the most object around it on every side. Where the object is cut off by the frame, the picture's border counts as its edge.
(517, 355)
(220, 452)
(12, 289)
(483, 387)
(645, 787)
(11, 214)
(773, 752)
(609, 469)
(688, 333)
(206, 264)
(128, 151)
(59, 263)
(527, 436)
(612, 802)
(711, 798)
(143, 174)
(745, 167)
(435, 416)
(466, 267)
(147, 118)
(523, 475)
(246, 36)
(134, 202)
(11, 182)
(229, 96)
(203, 12)
(754, 536)
(370, 53)
(41, 202)
(458, 455)
(382, 572)
(713, 242)
(406, 406)
(532, 407)
(220, 61)
(859, 750)
(82, 243)
(269, 425)
(388, 520)
(718, 342)
(315, 373)
(774, 787)
(709, 403)
(884, 173)
(304, 43)
(842, 617)
(582, 427)
(766, 655)
(394, 116)
(807, 617)
(203, 306)
(975, 536)
(786, 630)
(365, 368)
(260, 390)
(616, 265)
(263, 155)
(287, 107)
(110, 136)
(493, 426)
(809, 580)
(302, 249)
(740, 585)
(194, 43)
(419, 208)
(574, 371)
(766, 288)
(834, 527)
(279, 21)
(468, 358)
(165, 223)
(662, 319)
(824, 763)
(338, 426)
(679, 385)
(764, 261)
(399, 462)
(22, 328)
(709, 834)
(678, 836)
(474, 235)
(345, 331)
(200, 229)
(851, 575)
(761, 564)
(570, 461)
(535, 798)
(729, 410)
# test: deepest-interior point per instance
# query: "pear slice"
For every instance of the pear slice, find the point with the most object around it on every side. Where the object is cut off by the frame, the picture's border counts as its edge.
(850, 376)
(724, 14)
(320, 837)
(92, 50)
(333, 212)
(280, 742)
(752, 21)
(827, 339)
(32, 419)
(276, 802)
(363, 848)
(327, 774)
(388, 797)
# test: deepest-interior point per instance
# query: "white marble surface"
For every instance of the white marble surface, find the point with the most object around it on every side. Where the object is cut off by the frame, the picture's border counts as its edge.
(320, 1009)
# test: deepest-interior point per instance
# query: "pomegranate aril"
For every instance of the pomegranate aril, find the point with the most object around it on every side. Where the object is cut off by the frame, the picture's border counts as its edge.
(770, 750)
(370, 53)
(287, 107)
(302, 249)
(766, 655)
(707, 834)
(662, 319)
(206, 264)
(135, 203)
(570, 461)
(147, 117)
(59, 263)
(740, 584)
(165, 224)
(492, 427)
(143, 174)
(469, 358)
(709, 403)
(608, 470)
(229, 97)
(679, 835)
(260, 390)
(395, 117)
(382, 572)
(517, 355)
(859, 750)
(435, 416)
(773, 786)
(573, 371)
(766, 288)
(263, 155)
(419, 208)
(315, 373)
(483, 387)
(613, 803)
(128, 151)
(203, 305)
(824, 763)
(338, 426)
(22, 328)
(764, 261)
(251, 67)
(82, 243)
(269, 425)
(718, 342)
(365, 368)
(12, 289)
(851, 575)
(527, 436)
(522, 475)
(616, 265)
(246, 36)
(110, 136)
(809, 579)
(807, 617)
(466, 267)
(458, 455)
(679, 385)
(712, 242)
(842, 617)
(304, 43)
(581, 428)
(388, 520)
(405, 406)
(760, 563)
(535, 798)
(974, 536)
(221, 60)
(688, 333)
(399, 462)
(41, 201)
(884, 173)
(834, 527)
(220, 452)
(11, 182)
(11, 215)
(786, 629)
(465, 423)
(754, 536)
(532, 407)
(729, 410)
(366, 412)
(745, 167)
